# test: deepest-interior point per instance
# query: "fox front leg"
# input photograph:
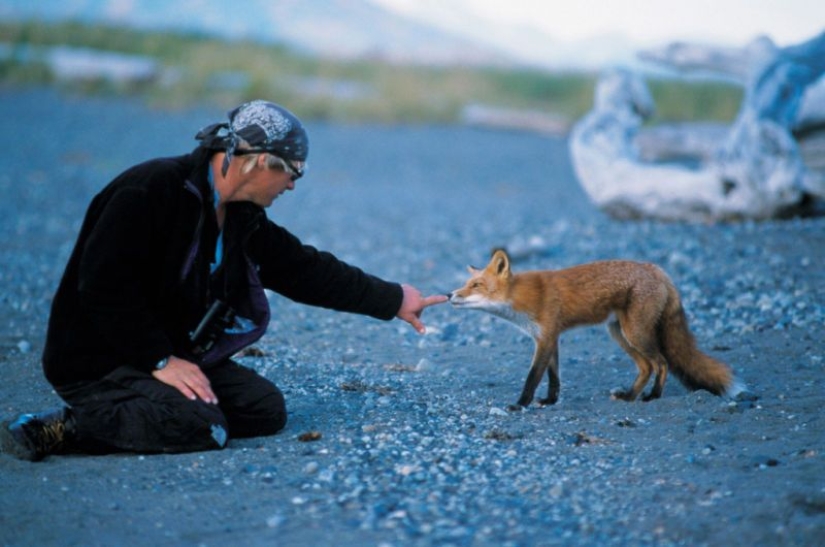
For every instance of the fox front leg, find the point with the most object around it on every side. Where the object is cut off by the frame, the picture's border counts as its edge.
(545, 358)
(553, 381)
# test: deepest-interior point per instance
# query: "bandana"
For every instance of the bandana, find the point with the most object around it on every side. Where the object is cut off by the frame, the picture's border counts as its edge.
(266, 127)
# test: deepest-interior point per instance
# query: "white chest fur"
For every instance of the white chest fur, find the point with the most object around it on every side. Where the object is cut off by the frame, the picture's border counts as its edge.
(519, 319)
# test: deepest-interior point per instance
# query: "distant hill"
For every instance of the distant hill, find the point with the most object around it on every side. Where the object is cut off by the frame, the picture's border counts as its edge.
(339, 28)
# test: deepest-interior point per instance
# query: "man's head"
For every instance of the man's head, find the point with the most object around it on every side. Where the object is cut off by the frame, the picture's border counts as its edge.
(268, 127)
(260, 127)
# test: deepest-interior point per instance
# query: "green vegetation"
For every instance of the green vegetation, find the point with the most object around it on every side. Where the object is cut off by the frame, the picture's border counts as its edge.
(695, 100)
(205, 69)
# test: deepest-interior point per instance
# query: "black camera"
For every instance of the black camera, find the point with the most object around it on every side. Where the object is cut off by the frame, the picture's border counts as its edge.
(217, 319)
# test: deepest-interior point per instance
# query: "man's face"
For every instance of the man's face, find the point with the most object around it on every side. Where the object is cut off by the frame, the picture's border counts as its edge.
(263, 185)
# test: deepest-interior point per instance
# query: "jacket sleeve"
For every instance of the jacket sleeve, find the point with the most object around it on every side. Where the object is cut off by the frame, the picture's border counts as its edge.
(304, 274)
(116, 275)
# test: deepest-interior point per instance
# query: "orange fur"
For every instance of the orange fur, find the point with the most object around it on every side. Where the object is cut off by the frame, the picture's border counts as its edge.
(649, 321)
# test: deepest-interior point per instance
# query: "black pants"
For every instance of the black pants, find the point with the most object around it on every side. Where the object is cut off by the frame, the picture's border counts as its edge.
(131, 410)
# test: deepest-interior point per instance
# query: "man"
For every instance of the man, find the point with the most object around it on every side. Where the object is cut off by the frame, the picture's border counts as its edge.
(166, 283)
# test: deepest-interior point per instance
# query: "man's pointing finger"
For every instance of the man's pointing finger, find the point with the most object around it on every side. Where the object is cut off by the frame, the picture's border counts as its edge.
(433, 300)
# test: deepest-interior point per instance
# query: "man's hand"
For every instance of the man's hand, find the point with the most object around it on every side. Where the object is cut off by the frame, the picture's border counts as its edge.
(188, 378)
(413, 304)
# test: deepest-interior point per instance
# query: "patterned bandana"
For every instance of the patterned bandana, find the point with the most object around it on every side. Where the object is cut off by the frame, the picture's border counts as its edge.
(266, 127)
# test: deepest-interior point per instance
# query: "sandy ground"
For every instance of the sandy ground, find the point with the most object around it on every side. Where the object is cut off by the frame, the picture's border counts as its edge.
(413, 445)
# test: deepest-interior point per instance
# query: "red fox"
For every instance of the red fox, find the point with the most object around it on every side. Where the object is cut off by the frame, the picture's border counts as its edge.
(649, 322)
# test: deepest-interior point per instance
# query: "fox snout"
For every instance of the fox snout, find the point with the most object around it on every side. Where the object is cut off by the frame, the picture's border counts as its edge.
(455, 298)
(459, 300)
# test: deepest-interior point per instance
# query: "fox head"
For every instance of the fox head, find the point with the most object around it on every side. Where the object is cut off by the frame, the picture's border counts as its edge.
(486, 289)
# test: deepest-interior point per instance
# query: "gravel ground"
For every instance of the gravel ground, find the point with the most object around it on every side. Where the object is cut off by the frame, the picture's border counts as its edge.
(401, 439)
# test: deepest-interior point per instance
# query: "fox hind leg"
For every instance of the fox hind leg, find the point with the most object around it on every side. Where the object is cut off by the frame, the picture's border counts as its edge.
(659, 381)
(644, 350)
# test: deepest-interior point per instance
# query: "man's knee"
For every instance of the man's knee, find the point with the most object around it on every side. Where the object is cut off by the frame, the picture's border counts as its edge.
(253, 405)
(272, 411)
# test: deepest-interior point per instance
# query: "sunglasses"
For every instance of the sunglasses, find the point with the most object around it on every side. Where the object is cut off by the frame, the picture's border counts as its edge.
(295, 170)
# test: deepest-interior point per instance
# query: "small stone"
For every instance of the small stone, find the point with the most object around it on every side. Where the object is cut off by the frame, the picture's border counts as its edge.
(275, 521)
(311, 468)
(309, 436)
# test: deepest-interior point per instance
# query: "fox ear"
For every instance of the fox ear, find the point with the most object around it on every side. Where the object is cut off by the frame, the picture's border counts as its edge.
(500, 262)
(472, 269)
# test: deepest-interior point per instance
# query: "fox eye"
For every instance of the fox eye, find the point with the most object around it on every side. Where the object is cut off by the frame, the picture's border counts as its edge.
(475, 285)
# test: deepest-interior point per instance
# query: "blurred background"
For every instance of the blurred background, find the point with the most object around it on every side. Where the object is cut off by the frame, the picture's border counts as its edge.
(522, 64)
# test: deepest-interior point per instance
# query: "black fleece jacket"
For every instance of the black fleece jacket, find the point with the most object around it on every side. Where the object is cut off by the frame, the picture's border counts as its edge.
(138, 280)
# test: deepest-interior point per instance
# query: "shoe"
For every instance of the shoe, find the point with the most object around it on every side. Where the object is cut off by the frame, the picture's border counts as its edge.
(32, 437)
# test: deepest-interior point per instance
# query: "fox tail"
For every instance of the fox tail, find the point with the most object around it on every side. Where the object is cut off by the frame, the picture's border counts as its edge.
(693, 368)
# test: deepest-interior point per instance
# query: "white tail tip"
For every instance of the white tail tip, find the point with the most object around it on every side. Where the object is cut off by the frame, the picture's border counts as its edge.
(735, 389)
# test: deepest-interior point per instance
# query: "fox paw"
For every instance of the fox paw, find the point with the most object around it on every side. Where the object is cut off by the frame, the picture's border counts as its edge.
(548, 401)
(622, 395)
(515, 408)
(650, 396)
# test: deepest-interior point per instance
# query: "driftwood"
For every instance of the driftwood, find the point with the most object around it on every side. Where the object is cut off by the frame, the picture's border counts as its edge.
(755, 170)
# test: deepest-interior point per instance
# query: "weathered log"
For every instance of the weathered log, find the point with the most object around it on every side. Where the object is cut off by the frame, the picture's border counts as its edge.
(755, 172)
